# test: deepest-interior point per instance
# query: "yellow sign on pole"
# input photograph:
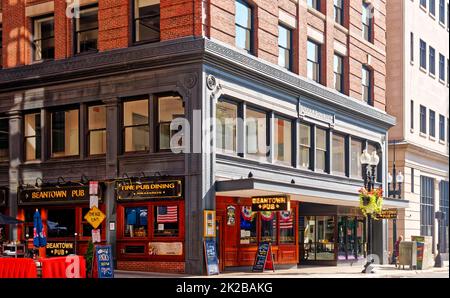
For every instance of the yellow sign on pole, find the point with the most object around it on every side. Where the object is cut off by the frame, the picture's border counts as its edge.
(95, 217)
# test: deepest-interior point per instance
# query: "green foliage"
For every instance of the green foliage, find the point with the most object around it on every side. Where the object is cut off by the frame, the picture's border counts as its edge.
(371, 202)
(89, 257)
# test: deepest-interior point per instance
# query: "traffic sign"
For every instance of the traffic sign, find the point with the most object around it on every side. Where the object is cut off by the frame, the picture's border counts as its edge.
(95, 217)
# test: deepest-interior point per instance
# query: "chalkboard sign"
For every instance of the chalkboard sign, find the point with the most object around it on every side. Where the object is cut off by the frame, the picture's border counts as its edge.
(105, 267)
(211, 258)
(264, 258)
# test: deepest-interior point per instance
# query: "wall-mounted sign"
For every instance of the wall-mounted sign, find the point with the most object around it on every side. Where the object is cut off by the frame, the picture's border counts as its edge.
(388, 214)
(270, 203)
(59, 249)
(95, 217)
(165, 248)
(209, 223)
(75, 194)
(231, 215)
(145, 190)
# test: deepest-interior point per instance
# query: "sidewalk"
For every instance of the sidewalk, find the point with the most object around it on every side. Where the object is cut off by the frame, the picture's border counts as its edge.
(381, 271)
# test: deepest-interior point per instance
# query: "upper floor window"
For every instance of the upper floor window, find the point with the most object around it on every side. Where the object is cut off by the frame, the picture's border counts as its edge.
(97, 129)
(433, 7)
(86, 30)
(423, 3)
(304, 151)
(285, 47)
(146, 20)
(411, 115)
(423, 119)
(338, 73)
(321, 149)
(367, 21)
(411, 47)
(313, 63)
(283, 141)
(441, 128)
(367, 89)
(432, 61)
(441, 67)
(136, 125)
(442, 11)
(170, 108)
(423, 54)
(338, 152)
(32, 134)
(226, 127)
(4, 139)
(256, 134)
(314, 4)
(339, 11)
(44, 38)
(244, 26)
(432, 123)
(65, 133)
(355, 159)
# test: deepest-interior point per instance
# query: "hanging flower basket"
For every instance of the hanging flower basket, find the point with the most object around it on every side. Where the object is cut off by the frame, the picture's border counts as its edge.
(371, 203)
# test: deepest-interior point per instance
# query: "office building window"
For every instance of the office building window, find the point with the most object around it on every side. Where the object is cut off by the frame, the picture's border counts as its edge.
(244, 26)
(441, 128)
(314, 4)
(32, 135)
(442, 11)
(146, 20)
(411, 47)
(367, 21)
(226, 127)
(426, 206)
(423, 3)
(304, 138)
(413, 178)
(338, 73)
(170, 108)
(285, 47)
(423, 54)
(339, 11)
(283, 141)
(355, 159)
(321, 149)
(433, 7)
(423, 119)
(43, 38)
(411, 114)
(136, 125)
(256, 134)
(86, 30)
(97, 129)
(65, 133)
(432, 123)
(432, 61)
(338, 155)
(4, 139)
(441, 67)
(313, 61)
(366, 82)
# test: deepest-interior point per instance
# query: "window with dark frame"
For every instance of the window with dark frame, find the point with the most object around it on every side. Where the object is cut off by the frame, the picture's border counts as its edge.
(366, 82)
(442, 11)
(314, 4)
(146, 20)
(244, 26)
(97, 129)
(32, 135)
(226, 127)
(442, 128)
(432, 123)
(136, 125)
(423, 54)
(411, 114)
(413, 178)
(283, 141)
(338, 73)
(321, 149)
(86, 30)
(411, 47)
(4, 138)
(355, 159)
(313, 61)
(170, 108)
(136, 222)
(423, 119)
(367, 21)
(441, 67)
(304, 151)
(285, 47)
(65, 133)
(432, 61)
(433, 7)
(423, 3)
(338, 150)
(339, 11)
(427, 198)
(166, 221)
(43, 38)
(256, 129)
(61, 222)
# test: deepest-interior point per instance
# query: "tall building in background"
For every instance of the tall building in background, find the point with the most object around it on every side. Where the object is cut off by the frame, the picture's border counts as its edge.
(418, 95)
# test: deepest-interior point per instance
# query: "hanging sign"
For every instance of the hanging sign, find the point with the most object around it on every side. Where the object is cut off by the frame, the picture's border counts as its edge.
(59, 249)
(264, 258)
(388, 214)
(95, 217)
(103, 262)
(144, 190)
(211, 258)
(270, 203)
(55, 194)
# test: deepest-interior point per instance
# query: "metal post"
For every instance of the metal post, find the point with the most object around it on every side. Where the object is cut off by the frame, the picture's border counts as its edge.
(394, 240)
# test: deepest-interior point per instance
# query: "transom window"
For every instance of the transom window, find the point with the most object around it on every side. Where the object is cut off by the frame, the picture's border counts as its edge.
(244, 27)
(147, 20)
(86, 30)
(44, 38)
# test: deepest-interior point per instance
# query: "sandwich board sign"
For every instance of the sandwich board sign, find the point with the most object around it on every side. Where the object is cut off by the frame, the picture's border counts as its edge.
(264, 258)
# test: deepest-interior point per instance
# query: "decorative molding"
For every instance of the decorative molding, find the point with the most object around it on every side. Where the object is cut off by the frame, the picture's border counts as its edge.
(307, 112)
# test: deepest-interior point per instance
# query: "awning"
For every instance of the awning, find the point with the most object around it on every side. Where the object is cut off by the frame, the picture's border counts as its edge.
(246, 188)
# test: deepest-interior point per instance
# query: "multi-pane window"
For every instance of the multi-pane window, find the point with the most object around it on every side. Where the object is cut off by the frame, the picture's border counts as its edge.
(287, 227)
(432, 61)
(304, 151)
(283, 141)
(423, 3)
(226, 127)
(86, 30)
(170, 108)
(442, 11)
(411, 47)
(97, 129)
(338, 155)
(314, 4)
(136, 125)
(318, 238)
(146, 20)
(43, 38)
(442, 67)
(313, 63)
(423, 54)
(32, 135)
(338, 73)
(285, 47)
(244, 26)
(423, 119)
(366, 82)
(441, 128)
(411, 114)
(427, 194)
(432, 123)
(433, 7)
(367, 21)
(321, 149)
(4, 139)
(256, 134)
(339, 11)
(65, 133)
(355, 160)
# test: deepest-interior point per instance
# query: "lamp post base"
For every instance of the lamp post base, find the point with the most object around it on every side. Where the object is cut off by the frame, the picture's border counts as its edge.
(368, 267)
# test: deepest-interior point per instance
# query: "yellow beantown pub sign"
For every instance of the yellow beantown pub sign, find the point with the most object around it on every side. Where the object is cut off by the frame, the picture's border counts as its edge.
(144, 190)
(270, 203)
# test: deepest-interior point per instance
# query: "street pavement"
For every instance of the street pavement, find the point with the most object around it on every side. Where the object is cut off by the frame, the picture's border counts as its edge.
(381, 271)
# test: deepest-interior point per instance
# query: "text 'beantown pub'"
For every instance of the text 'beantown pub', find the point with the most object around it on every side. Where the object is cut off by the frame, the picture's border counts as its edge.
(272, 203)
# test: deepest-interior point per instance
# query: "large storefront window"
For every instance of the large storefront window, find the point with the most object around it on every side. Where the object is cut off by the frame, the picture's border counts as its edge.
(318, 238)
(226, 127)
(269, 227)
(32, 134)
(166, 221)
(256, 129)
(287, 227)
(248, 226)
(97, 130)
(65, 133)
(283, 141)
(169, 109)
(136, 125)
(351, 238)
(136, 219)
(61, 223)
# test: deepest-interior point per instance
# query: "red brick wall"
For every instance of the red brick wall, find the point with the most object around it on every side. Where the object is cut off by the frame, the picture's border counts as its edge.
(164, 267)
(113, 24)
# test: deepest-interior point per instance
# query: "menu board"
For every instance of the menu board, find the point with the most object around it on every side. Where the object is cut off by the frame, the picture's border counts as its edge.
(105, 267)
(263, 259)
(211, 258)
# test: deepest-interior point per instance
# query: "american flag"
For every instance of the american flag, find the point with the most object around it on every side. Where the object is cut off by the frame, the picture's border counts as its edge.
(167, 214)
(286, 220)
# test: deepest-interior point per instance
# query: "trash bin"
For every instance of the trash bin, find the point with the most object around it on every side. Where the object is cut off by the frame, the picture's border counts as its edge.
(408, 254)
